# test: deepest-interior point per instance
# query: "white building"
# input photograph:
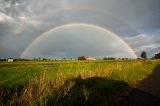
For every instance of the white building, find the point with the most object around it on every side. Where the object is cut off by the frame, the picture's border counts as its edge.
(10, 60)
(89, 58)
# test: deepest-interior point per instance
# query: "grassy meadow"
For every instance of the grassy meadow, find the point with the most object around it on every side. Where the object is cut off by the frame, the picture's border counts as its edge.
(60, 83)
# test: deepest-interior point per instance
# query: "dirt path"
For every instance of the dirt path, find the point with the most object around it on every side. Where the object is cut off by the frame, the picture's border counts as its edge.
(147, 94)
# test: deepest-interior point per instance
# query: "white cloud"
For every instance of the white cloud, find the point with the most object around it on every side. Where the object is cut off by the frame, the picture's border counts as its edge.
(8, 4)
(29, 21)
(140, 36)
(5, 18)
(148, 47)
(2, 5)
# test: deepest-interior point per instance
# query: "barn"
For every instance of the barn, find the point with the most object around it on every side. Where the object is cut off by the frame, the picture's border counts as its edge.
(89, 58)
(10, 60)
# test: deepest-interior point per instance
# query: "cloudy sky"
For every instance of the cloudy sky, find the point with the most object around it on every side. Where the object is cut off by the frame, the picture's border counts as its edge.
(71, 28)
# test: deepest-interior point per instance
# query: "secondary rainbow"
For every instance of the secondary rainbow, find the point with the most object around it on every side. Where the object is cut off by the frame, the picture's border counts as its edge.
(83, 25)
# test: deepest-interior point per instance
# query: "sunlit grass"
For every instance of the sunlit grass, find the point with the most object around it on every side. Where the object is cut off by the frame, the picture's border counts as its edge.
(36, 82)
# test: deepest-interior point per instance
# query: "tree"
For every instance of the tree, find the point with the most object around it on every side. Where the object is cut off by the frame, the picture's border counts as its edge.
(157, 56)
(81, 58)
(109, 58)
(143, 55)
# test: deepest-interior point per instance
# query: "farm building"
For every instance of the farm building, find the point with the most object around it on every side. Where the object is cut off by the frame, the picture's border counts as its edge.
(89, 58)
(10, 60)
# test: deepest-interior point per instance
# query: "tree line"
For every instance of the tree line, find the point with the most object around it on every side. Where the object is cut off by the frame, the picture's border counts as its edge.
(143, 56)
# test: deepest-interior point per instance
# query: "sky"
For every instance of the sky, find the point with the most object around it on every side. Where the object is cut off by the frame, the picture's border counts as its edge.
(72, 28)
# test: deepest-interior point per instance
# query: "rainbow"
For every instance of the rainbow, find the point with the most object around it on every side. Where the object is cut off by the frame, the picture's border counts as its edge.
(82, 25)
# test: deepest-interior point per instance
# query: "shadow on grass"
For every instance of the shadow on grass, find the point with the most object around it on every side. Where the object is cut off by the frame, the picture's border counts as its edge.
(97, 91)
(94, 91)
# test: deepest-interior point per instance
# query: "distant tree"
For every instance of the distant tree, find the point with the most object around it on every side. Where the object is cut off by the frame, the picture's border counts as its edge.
(109, 58)
(44, 59)
(21, 59)
(157, 56)
(143, 55)
(3, 59)
(81, 58)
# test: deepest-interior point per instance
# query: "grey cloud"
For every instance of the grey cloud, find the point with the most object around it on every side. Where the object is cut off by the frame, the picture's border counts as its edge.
(21, 21)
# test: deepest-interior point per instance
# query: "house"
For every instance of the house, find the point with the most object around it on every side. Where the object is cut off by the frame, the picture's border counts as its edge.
(10, 60)
(89, 58)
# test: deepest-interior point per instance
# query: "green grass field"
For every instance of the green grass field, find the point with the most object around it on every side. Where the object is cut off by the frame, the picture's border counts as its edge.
(69, 82)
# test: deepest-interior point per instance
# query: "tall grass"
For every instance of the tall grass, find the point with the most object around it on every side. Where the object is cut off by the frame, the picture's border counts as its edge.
(39, 82)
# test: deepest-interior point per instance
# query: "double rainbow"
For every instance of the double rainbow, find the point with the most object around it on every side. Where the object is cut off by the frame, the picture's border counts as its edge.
(130, 49)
